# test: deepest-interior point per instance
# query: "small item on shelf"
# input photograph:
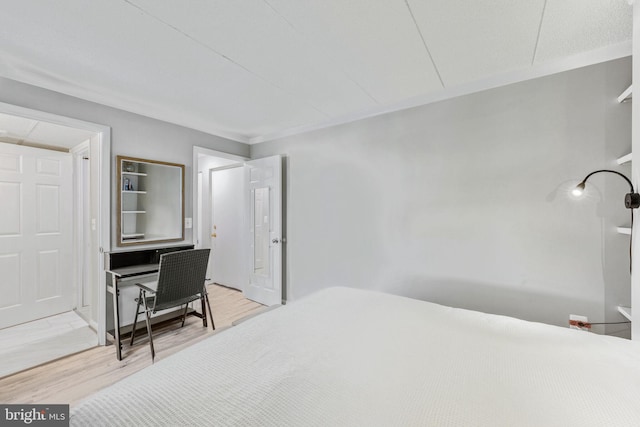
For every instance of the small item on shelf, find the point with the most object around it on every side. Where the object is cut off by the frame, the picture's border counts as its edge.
(127, 183)
(128, 167)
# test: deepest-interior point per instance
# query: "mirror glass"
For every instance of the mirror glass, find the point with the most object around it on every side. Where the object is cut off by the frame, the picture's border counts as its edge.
(261, 231)
(150, 201)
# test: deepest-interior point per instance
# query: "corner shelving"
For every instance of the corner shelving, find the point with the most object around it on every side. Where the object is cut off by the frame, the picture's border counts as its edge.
(625, 159)
(624, 230)
(625, 311)
(626, 95)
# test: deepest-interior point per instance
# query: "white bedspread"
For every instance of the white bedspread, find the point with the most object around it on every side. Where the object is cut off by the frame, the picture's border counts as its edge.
(346, 357)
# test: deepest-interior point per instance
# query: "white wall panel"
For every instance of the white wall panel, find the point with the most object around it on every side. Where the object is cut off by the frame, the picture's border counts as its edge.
(48, 167)
(254, 35)
(48, 277)
(470, 40)
(575, 26)
(10, 195)
(10, 163)
(470, 205)
(47, 208)
(375, 42)
(10, 283)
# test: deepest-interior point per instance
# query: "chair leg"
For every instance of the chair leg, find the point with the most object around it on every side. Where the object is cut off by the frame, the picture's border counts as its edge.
(135, 321)
(184, 314)
(148, 318)
(206, 297)
(204, 313)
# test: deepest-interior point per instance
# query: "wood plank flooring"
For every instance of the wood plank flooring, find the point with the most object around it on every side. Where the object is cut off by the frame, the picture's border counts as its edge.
(70, 379)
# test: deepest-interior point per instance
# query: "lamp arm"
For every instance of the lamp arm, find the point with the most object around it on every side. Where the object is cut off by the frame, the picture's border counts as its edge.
(612, 171)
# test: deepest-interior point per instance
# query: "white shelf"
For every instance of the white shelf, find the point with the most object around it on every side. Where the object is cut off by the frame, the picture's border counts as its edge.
(625, 159)
(625, 311)
(134, 212)
(133, 192)
(133, 236)
(623, 230)
(626, 95)
(134, 173)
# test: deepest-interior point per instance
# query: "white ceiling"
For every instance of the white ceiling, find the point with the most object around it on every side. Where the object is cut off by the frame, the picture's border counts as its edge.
(251, 70)
(21, 130)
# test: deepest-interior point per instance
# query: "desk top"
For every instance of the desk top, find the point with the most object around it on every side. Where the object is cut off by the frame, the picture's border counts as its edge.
(134, 270)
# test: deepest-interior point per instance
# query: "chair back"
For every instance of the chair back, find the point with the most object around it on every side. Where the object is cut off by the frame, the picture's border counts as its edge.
(181, 277)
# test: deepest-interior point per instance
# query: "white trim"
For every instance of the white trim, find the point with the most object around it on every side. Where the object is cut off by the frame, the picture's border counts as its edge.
(608, 53)
(78, 152)
(104, 197)
(104, 225)
(51, 118)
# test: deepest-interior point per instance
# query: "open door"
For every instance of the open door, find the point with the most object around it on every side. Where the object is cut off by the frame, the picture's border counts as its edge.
(263, 180)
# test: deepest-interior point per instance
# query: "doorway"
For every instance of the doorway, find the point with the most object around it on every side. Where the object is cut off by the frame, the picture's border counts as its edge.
(238, 215)
(218, 216)
(228, 254)
(52, 175)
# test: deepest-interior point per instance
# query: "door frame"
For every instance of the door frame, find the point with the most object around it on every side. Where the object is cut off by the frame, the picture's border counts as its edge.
(104, 194)
(79, 152)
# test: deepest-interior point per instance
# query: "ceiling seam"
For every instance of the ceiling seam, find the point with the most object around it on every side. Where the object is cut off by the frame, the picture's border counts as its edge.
(277, 12)
(435, 67)
(30, 131)
(535, 49)
(209, 48)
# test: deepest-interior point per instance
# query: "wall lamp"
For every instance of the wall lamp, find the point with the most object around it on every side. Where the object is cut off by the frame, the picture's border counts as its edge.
(631, 200)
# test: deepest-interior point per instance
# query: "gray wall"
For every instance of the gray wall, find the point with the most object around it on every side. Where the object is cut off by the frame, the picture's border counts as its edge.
(131, 135)
(466, 202)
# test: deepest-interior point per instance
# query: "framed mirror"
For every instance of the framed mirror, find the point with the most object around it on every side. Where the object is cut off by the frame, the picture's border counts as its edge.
(150, 201)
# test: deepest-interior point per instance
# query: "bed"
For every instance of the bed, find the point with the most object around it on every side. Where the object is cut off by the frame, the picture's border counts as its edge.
(347, 357)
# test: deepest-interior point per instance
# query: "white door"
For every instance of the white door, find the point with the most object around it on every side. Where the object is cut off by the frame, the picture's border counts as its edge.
(263, 180)
(35, 234)
(228, 255)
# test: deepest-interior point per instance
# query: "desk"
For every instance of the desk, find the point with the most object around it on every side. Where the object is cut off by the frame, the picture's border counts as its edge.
(116, 275)
(126, 265)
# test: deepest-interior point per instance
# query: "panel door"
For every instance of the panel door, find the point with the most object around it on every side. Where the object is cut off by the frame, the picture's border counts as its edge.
(263, 180)
(35, 234)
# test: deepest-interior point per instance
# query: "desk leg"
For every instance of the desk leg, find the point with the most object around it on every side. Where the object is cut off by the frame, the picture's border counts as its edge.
(116, 316)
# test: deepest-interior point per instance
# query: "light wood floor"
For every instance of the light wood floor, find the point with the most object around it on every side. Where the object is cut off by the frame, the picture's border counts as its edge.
(74, 377)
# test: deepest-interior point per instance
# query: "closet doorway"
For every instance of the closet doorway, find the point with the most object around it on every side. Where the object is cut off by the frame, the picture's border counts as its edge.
(219, 216)
(51, 179)
(238, 214)
(227, 262)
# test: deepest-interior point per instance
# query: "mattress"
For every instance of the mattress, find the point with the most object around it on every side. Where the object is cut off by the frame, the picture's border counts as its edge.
(347, 357)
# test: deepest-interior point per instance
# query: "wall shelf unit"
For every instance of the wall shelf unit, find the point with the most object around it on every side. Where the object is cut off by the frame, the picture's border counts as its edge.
(625, 159)
(150, 201)
(626, 95)
(624, 230)
(625, 311)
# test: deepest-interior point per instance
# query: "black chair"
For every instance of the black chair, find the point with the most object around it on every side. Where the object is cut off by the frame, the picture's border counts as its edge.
(181, 278)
